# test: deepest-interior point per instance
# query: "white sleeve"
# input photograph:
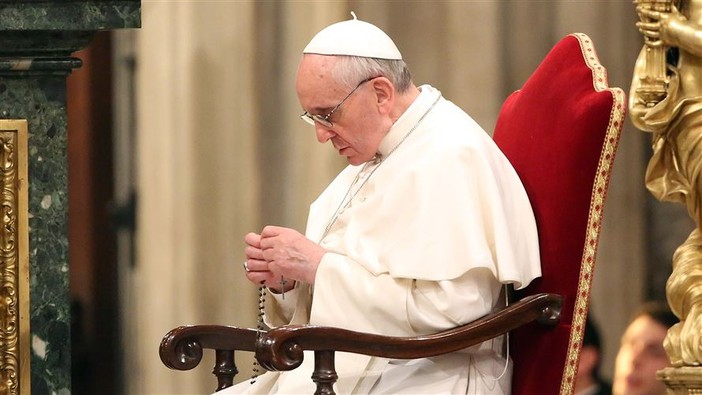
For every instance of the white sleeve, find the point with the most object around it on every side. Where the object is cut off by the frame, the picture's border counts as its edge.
(347, 295)
(279, 310)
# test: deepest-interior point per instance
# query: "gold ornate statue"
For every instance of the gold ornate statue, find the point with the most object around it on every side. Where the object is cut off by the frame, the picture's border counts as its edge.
(666, 100)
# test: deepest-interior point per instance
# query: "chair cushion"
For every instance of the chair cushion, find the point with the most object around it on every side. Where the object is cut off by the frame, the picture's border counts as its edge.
(560, 132)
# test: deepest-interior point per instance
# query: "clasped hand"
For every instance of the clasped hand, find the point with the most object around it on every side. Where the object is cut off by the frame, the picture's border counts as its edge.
(281, 253)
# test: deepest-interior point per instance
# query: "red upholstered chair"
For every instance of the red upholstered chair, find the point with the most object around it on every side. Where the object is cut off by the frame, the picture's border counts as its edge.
(560, 131)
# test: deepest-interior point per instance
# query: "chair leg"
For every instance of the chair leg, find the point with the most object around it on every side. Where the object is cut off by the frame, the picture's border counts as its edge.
(224, 369)
(324, 374)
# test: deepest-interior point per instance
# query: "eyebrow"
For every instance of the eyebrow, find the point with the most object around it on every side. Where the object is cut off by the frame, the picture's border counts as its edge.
(319, 110)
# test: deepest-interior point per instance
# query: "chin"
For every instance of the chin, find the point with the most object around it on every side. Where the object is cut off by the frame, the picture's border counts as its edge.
(355, 161)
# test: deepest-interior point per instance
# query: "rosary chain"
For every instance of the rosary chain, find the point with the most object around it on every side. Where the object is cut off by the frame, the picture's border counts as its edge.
(259, 328)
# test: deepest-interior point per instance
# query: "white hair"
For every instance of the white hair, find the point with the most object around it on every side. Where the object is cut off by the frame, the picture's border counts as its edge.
(350, 70)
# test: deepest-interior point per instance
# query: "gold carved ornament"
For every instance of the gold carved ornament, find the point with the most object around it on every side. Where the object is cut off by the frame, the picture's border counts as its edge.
(14, 259)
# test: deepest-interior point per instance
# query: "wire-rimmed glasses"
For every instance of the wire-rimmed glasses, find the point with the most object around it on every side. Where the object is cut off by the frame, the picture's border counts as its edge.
(324, 120)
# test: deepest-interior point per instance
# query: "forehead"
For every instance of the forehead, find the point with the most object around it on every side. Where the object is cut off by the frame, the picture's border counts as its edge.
(646, 328)
(315, 81)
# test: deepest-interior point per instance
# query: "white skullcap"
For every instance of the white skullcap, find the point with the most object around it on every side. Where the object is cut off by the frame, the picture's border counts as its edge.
(353, 38)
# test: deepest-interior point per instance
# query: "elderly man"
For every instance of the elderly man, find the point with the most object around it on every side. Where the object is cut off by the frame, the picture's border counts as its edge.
(418, 234)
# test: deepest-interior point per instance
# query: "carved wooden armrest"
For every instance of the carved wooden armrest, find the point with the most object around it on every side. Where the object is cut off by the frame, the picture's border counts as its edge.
(282, 348)
(181, 348)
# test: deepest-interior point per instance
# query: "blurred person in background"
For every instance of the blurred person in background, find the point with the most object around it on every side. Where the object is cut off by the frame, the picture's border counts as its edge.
(641, 353)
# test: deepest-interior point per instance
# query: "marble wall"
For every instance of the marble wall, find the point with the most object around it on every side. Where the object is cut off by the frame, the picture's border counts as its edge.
(36, 42)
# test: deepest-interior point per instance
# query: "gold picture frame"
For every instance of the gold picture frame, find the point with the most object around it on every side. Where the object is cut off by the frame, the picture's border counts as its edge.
(14, 258)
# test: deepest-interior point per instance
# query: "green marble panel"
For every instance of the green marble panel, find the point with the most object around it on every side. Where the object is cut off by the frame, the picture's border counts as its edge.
(37, 39)
(42, 101)
(69, 15)
(45, 43)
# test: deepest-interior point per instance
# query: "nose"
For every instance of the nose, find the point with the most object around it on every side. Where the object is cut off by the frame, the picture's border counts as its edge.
(323, 133)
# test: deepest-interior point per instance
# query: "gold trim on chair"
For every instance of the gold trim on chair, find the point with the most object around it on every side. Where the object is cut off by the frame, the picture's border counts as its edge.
(14, 259)
(604, 171)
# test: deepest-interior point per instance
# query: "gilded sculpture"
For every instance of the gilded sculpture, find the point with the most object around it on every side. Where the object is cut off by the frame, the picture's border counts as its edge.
(666, 100)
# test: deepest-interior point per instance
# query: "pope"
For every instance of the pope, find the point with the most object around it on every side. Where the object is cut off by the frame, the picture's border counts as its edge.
(418, 234)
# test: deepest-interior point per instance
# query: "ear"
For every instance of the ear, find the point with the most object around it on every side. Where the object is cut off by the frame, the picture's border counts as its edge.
(384, 93)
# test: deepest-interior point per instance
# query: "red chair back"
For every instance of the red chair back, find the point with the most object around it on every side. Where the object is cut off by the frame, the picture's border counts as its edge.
(560, 132)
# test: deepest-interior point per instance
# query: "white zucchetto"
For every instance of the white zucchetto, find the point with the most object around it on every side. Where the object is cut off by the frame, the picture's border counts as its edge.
(353, 38)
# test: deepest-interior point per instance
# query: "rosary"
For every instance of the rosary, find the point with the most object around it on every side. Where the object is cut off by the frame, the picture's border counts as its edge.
(260, 325)
(343, 205)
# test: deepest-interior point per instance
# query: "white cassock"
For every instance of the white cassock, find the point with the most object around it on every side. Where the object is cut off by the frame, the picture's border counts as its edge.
(425, 244)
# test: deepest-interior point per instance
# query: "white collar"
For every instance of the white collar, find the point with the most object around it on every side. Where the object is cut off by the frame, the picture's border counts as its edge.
(428, 95)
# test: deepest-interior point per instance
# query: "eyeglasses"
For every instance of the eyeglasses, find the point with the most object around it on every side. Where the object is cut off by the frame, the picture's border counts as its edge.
(324, 119)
